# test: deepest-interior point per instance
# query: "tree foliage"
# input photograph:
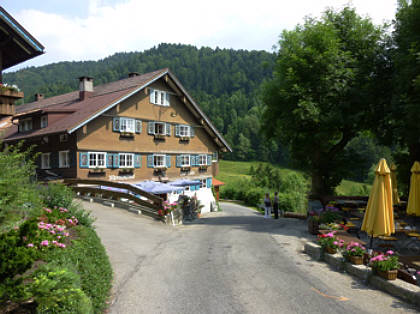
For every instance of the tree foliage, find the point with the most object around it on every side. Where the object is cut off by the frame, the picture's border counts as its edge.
(323, 91)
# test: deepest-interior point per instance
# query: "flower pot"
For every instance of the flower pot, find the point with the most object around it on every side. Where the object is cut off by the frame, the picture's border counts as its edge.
(330, 250)
(356, 260)
(388, 275)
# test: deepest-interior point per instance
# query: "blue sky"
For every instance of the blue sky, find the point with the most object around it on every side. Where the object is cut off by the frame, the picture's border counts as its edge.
(73, 30)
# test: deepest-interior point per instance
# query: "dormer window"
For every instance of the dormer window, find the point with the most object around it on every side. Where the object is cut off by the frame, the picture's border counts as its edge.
(159, 97)
(44, 121)
(25, 125)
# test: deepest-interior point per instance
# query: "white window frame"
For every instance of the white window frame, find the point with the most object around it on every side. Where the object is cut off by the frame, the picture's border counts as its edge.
(64, 159)
(124, 159)
(182, 161)
(160, 164)
(46, 163)
(44, 121)
(25, 124)
(202, 157)
(127, 125)
(160, 98)
(96, 161)
(186, 129)
(163, 124)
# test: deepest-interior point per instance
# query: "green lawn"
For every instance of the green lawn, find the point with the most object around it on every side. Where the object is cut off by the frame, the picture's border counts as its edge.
(229, 171)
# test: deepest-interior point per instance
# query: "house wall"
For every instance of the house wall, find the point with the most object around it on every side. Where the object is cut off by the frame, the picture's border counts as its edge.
(99, 136)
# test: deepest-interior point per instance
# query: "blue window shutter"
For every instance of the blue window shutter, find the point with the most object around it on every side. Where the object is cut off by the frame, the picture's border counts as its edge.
(168, 161)
(150, 127)
(192, 132)
(152, 95)
(209, 160)
(83, 160)
(150, 161)
(137, 160)
(167, 99)
(192, 160)
(168, 129)
(192, 187)
(177, 130)
(139, 126)
(116, 124)
(109, 160)
(178, 161)
(116, 160)
(209, 182)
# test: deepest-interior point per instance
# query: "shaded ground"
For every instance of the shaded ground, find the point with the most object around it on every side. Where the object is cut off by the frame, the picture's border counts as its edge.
(227, 262)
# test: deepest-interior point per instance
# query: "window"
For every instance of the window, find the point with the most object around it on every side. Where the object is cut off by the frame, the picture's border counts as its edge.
(184, 130)
(44, 121)
(159, 161)
(25, 125)
(184, 160)
(97, 160)
(203, 183)
(45, 161)
(64, 138)
(202, 160)
(159, 128)
(215, 156)
(159, 97)
(127, 125)
(126, 160)
(64, 159)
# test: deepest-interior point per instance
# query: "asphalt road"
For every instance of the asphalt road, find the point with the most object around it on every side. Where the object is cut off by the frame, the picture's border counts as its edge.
(233, 261)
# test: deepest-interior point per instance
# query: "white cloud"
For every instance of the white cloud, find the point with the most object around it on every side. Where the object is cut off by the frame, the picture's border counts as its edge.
(137, 25)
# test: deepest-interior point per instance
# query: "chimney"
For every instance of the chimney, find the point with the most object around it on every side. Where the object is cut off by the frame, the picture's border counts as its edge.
(85, 87)
(133, 74)
(39, 96)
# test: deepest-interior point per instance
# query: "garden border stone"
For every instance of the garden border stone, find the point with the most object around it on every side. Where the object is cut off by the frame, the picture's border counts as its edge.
(398, 288)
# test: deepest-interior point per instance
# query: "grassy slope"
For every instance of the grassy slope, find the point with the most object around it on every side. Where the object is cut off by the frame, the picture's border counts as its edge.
(231, 170)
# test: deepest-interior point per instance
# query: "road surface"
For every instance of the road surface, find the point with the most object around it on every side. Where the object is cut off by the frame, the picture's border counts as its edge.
(233, 261)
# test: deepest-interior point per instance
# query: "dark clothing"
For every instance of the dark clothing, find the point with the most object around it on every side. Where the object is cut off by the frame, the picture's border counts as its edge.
(276, 207)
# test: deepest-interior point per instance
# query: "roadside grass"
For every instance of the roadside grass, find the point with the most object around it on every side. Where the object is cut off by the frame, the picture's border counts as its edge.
(231, 171)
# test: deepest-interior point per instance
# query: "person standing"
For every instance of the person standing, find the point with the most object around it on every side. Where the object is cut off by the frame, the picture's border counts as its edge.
(267, 206)
(276, 205)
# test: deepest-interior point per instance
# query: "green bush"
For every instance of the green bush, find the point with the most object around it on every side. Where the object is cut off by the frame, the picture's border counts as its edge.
(57, 194)
(58, 290)
(83, 216)
(254, 196)
(92, 264)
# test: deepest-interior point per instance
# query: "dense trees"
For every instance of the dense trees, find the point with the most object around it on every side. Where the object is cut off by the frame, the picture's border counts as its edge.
(323, 91)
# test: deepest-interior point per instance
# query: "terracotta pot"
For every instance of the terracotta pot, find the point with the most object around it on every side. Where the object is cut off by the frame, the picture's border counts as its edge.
(388, 275)
(356, 260)
(330, 250)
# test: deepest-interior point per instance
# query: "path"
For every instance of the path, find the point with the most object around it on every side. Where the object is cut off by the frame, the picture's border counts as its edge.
(233, 261)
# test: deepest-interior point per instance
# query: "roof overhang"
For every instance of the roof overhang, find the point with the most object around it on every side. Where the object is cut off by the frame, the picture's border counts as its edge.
(16, 43)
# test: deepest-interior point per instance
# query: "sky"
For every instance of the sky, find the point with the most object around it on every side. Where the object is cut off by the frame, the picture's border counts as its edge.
(74, 30)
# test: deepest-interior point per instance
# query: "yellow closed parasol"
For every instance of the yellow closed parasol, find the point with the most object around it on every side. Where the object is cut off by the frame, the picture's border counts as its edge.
(413, 206)
(379, 214)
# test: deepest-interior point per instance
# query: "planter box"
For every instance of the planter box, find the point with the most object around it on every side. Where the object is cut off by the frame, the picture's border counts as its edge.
(388, 275)
(330, 250)
(12, 94)
(160, 136)
(356, 260)
(294, 215)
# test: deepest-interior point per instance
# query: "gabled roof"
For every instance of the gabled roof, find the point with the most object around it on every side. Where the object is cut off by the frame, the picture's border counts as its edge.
(80, 112)
(20, 45)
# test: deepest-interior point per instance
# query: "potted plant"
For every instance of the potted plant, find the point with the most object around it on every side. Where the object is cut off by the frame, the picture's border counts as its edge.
(354, 252)
(385, 265)
(329, 242)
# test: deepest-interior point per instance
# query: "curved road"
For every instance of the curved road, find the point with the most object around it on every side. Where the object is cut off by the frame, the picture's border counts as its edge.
(233, 261)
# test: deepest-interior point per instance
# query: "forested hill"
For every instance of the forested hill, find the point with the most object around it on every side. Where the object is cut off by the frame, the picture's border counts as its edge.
(224, 82)
(212, 71)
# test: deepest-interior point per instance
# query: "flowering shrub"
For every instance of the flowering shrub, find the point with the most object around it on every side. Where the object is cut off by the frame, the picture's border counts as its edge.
(167, 208)
(329, 240)
(384, 262)
(6, 87)
(354, 249)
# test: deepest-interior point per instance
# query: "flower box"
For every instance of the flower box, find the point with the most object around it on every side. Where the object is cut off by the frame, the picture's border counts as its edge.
(184, 138)
(330, 250)
(356, 260)
(127, 134)
(10, 93)
(388, 275)
(160, 136)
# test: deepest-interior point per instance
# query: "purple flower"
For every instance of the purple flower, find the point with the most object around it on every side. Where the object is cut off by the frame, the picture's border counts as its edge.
(390, 252)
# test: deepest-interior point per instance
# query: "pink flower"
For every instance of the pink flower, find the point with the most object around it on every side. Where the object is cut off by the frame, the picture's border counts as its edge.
(44, 243)
(30, 245)
(390, 252)
(61, 245)
(58, 237)
(335, 243)
(48, 210)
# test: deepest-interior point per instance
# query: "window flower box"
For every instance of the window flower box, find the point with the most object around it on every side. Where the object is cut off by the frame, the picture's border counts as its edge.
(126, 170)
(10, 91)
(203, 167)
(160, 136)
(97, 170)
(184, 138)
(126, 134)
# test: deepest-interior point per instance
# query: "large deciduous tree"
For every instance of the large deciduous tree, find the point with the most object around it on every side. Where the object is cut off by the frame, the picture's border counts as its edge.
(323, 91)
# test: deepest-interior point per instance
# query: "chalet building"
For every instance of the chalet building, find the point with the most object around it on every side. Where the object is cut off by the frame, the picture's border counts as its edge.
(144, 127)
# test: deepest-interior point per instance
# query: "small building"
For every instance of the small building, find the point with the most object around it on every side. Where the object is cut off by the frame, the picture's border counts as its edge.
(143, 127)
